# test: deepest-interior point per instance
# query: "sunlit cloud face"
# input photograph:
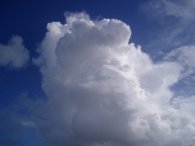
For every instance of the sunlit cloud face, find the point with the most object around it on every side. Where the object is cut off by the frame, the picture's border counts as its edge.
(104, 91)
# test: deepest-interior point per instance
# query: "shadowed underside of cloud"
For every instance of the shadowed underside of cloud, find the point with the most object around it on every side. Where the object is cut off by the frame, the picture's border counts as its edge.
(14, 54)
(104, 91)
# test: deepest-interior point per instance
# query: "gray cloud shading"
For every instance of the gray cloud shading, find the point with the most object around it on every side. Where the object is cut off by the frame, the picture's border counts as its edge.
(104, 91)
(14, 53)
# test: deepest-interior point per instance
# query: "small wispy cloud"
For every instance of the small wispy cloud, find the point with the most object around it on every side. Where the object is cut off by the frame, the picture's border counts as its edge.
(103, 91)
(181, 9)
(14, 54)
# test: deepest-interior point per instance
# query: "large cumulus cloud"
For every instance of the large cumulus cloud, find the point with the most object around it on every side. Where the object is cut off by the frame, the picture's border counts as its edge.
(104, 91)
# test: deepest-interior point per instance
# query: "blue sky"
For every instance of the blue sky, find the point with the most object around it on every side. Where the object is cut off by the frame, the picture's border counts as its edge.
(97, 73)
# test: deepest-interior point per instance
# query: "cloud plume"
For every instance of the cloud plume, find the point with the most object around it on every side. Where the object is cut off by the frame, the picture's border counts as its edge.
(104, 91)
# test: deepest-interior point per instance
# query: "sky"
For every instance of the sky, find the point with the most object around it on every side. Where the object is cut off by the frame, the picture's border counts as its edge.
(97, 73)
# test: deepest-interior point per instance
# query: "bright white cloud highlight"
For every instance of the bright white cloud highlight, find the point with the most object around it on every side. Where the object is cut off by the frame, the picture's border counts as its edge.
(14, 53)
(103, 91)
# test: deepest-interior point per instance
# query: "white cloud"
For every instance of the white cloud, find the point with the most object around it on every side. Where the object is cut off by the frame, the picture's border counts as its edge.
(103, 91)
(14, 54)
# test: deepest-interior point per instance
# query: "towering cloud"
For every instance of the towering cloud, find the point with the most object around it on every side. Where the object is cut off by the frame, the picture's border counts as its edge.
(14, 54)
(104, 91)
